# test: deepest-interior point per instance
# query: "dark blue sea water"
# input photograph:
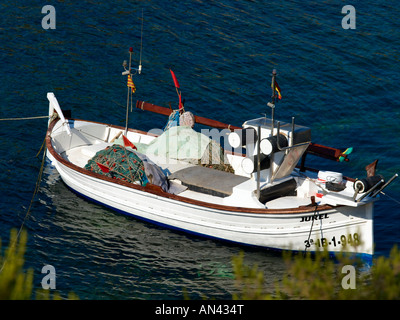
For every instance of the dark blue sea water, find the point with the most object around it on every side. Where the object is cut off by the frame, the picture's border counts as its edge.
(343, 83)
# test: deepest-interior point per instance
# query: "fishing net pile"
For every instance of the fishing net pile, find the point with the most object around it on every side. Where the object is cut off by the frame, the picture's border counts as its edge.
(214, 157)
(118, 163)
(185, 144)
(122, 163)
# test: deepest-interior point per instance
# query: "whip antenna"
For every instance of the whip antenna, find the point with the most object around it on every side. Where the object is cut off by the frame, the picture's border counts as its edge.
(141, 46)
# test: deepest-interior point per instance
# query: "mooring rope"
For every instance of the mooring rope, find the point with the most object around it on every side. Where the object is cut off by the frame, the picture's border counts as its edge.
(312, 224)
(391, 198)
(39, 179)
(25, 118)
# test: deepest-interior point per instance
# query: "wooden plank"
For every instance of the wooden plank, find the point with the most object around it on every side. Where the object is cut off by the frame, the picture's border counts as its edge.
(201, 120)
(326, 152)
(152, 107)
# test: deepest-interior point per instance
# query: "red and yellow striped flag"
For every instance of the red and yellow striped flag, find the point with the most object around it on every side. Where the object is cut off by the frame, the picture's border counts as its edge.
(131, 84)
(278, 90)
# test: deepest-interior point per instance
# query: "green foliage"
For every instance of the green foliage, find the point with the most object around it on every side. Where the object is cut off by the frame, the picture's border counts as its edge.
(319, 277)
(42, 294)
(15, 283)
(309, 278)
(384, 280)
(315, 276)
(248, 279)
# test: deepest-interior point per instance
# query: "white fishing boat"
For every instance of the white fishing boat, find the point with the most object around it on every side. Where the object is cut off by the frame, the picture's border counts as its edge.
(261, 194)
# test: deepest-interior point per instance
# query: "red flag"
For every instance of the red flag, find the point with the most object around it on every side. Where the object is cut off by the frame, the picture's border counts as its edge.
(103, 167)
(127, 143)
(278, 90)
(174, 78)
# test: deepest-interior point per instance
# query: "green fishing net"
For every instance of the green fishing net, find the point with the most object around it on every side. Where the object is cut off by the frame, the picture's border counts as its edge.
(120, 163)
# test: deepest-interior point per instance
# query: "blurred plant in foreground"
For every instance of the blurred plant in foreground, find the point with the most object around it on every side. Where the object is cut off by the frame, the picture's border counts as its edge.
(15, 283)
(320, 277)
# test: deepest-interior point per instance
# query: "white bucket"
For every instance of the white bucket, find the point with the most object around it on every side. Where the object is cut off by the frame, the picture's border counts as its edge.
(325, 176)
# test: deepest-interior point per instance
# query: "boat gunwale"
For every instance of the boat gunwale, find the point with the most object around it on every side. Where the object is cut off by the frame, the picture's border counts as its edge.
(156, 190)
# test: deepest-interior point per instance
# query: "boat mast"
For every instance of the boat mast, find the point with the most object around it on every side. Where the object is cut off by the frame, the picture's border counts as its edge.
(272, 103)
(129, 90)
(272, 106)
(129, 74)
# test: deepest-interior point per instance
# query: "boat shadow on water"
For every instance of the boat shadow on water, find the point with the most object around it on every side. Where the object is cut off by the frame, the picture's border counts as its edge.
(101, 246)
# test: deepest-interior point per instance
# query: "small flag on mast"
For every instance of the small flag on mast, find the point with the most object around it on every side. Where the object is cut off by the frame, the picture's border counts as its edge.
(131, 84)
(278, 90)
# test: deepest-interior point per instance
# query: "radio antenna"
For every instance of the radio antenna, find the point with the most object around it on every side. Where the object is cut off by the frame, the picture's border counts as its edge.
(141, 46)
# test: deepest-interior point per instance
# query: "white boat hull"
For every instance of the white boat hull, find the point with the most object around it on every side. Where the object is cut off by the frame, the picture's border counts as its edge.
(336, 229)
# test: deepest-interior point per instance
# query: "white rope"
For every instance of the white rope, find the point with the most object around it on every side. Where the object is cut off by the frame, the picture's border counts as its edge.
(385, 194)
(26, 118)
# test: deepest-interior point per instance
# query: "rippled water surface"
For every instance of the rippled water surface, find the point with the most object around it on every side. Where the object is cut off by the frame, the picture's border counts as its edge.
(344, 84)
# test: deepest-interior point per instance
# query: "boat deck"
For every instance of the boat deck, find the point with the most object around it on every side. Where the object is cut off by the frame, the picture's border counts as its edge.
(210, 181)
(215, 186)
(81, 155)
(197, 182)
